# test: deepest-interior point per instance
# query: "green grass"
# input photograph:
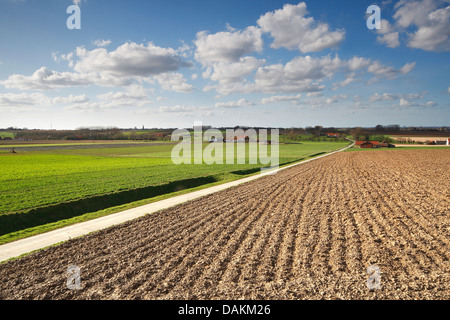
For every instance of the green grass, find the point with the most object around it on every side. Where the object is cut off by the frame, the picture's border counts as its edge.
(75, 144)
(6, 134)
(41, 191)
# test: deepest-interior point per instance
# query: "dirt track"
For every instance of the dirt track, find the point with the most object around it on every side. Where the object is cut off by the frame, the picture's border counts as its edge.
(309, 232)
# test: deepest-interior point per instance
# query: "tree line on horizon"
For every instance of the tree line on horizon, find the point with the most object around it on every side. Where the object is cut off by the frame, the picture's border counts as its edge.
(316, 133)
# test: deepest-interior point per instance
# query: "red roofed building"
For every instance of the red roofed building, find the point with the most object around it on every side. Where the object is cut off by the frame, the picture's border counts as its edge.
(374, 144)
(368, 144)
(332, 135)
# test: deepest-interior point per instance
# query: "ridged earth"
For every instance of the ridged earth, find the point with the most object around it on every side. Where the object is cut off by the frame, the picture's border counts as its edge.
(308, 232)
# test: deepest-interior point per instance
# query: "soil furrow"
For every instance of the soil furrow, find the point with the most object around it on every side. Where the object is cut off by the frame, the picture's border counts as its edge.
(308, 232)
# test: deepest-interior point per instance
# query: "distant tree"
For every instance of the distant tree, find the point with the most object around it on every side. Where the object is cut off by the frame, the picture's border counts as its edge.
(394, 127)
(291, 135)
(357, 133)
(317, 130)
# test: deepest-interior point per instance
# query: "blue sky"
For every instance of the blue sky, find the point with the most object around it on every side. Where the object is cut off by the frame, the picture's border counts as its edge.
(225, 63)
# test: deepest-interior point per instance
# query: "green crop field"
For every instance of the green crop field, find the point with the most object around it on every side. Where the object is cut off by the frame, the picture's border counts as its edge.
(39, 188)
(5, 134)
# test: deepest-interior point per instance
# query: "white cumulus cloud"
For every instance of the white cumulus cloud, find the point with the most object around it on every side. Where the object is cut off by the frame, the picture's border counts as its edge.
(46, 79)
(234, 104)
(129, 60)
(434, 34)
(225, 72)
(292, 29)
(101, 43)
(30, 101)
(282, 98)
(174, 82)
(227, 46)
(382, 71)
(121, 67)
(357, 63)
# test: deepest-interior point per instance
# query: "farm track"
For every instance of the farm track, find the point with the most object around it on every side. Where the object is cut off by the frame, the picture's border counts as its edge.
(308, 232)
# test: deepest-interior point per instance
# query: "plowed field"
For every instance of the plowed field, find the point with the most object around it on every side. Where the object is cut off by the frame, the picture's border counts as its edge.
(308, 232)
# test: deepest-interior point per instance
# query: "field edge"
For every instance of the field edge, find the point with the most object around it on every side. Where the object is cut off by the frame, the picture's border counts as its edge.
(33, 231)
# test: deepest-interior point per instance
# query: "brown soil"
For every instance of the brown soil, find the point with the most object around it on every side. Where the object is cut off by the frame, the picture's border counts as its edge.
(309, 232)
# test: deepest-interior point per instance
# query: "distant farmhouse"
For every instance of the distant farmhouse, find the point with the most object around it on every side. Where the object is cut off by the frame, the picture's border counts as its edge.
(439, 142)
(333, 135)
(373, 144)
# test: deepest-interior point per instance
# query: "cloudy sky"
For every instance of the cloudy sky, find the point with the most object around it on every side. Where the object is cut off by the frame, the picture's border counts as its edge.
(169, 63)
